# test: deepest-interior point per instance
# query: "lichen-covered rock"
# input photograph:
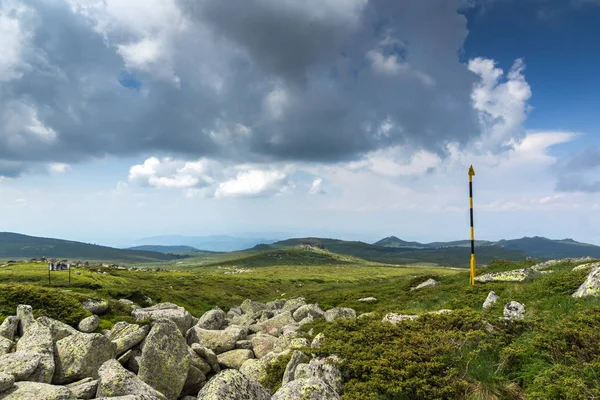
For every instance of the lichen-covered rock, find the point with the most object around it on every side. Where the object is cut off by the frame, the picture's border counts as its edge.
(129, 397)
(126, 302)
(125, 336)
(218, 341)
(9, 326)
(89, 324)
(275, 304)
(98, 307)
(306, 389)
(25, 316)
(213, 319)
(324, 369)
(243, 344)
(265, 315)
(292, 305)
(133, 364)
(84, 389)
(588, 266)
(36, 390)
(242, 320)
(124, 358)
(394, 318)
(517, 275)
(207, 355)
(308, 310)
(199, 362)
(20, 364)
(230, 384)
(6, 382)
(298, 358)
(339, 313)
(234, 358)
(514, 310)
(114, 380)
(284, 342)
(80, 356)
(5, 345)
(194, 381)
(58, 330)
(274, 326)
(165, 360)
(262, 344)
(591, 285)
(290, 328)
(317, 340)
(170, 311)
(550, 263)
(252, 307)
(38, 339)
(490, 300)
(256, 369)
(367, 299)
(427, 284)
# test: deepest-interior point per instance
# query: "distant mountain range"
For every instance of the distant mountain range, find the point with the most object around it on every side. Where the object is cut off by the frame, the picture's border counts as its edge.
(182, 250)
(217, 243)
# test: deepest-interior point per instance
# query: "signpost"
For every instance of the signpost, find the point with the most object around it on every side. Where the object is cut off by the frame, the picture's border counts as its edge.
(59, 266)
(473, 264)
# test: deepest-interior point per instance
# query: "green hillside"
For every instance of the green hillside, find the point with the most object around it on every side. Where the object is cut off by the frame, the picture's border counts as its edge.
(14, 245)
(542, 247)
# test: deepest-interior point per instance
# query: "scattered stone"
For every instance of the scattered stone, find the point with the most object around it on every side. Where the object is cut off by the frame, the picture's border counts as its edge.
(298, 357)
(427, 284)
(514, 310)
(242, 320)
(591, 285)
(550, 263)
(317, 340)
(339, 313)
(6, 382)
(234, 358)
(38, 339)
(207, 355)
(309, 309)
(25, 316)
(125, 336)
(262, 344)
(252, 307)
(440, 312)
(9, 326)
(213, 319)
(291, 328)
(275, 304)
(366, 315)
(306, 389)
(114, 380)
(98, 307)
(367, 299)
(165, 360)
(58, 330)
(20, 364)
(36, 390)
(218, 341)
(170, 311)
(231, 384)
(306, 320)
(284, 342)
(235, 310)
(517, 275)
(126, 302)
(84, 389)
(491, 299)
(80, 356)
(89, 324)
(394, 318)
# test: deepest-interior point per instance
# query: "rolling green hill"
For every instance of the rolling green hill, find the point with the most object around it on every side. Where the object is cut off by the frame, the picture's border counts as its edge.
(14, 245)
(542, 247)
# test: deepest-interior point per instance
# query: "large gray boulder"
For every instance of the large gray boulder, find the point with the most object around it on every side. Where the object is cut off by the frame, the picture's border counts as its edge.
(308, 310)
(517, 275)
(6, 382)
(165, 360)
(514, 310)
(207, 355)
(491, 298)
(114, 380)
(262, 344)
(89, 324)
(38, 339)
(252, 307)
(230, 384)
(234, 358)
(274, 326)
(339, 313)
(25, 316)
(20, 364)
(58, 330)
(98, 307)
(306, 389)
(213, 319)
(125, 336)
(36, 390)
(298, 358)
(323, 369)
(218, 341)
(199, 362)
(591, 285)
(256, 369)
(242, 320)
(5, 345)
(292, 305)
(170, 311)
(9, 326)
(80, 356)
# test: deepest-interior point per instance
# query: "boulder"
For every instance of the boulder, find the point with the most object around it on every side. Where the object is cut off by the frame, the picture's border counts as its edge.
(38, 339)
(591, 285)
(290, 328)
(298, 358)
(284, 342)
(265, 315)
(84, 389)
(514, 310)
(242, 320)
(5, 345)
(114, 380)
(126, 302)
(308, 310)
(89, 324)
(306, 320)
(243, 344)
(125, 336)
(20, 364)
(207, 355)
(427, 284)
(36, 390)
(9, 326)
(6, 382)
(218, 341)
(275, 304)
(98, 307)
(274, 326)
(262, 344)
(231, 384)
(587, 266)
(234, 358)
(317, 340)
(194, 381)
(490, 299)
(124, 358)
(58, 330)
(339, 313)
(213, 319)
(80, 356)
(306, 389)
(517, 275)
(367, 299)
(25, 316)
(199, 362)
(256, 369)
(324, 369)
(133, 364)
(394, 318)
(252, 307)
(165, 360)
(173, 312)
(292, 305)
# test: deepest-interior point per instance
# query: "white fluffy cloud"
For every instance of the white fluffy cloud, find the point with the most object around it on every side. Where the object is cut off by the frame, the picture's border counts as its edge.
(317, 187)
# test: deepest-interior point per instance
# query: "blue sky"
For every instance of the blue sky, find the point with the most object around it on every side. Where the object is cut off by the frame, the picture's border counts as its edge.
(354, 119)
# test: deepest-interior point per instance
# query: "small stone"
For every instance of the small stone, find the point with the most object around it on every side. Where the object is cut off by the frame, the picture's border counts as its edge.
(339, 313)
(234, 358)
(367, 299)
(490, 300)
(427, 284)
(98, 307)
(514, 310)
(394, 318)
(89, 324)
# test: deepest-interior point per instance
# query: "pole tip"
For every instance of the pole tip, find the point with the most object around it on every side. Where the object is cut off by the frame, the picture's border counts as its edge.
(471, 171)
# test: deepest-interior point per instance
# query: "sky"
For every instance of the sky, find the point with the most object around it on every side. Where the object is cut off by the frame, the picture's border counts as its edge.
(355, 119)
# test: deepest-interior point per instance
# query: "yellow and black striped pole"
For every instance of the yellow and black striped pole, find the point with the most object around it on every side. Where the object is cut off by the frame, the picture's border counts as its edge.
(471, 173)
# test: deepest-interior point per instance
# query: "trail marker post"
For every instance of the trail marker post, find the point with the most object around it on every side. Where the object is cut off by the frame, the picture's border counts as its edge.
(473, 263)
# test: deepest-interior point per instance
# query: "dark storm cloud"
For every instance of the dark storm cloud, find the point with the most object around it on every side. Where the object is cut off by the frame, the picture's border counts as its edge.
(250, 80)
